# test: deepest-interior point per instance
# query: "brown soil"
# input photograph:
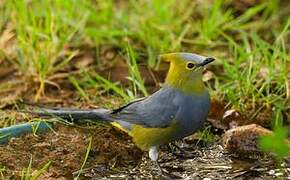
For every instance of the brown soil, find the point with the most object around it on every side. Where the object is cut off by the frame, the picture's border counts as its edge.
(114, 156)
(65, 149)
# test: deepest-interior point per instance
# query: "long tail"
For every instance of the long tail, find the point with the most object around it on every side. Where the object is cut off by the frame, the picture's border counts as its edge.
(74, 115)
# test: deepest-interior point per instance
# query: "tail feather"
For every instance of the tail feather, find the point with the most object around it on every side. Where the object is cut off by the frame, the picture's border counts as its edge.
(73, 114)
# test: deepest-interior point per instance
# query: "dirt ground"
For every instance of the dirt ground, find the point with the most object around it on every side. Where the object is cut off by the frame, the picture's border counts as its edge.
(65, 149)
(114, 156)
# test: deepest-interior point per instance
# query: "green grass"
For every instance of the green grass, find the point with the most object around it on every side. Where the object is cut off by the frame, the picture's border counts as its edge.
(2, 171)
(134, 73)
(27, 174)
(152, 25)
(93, 80)
(104, 86)
(85, 159)
(43, 30)
(276, 144)
(257, 71)
(49, 33)
(206, 135)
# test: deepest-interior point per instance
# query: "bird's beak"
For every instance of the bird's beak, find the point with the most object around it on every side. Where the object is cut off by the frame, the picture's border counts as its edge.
(206, 61)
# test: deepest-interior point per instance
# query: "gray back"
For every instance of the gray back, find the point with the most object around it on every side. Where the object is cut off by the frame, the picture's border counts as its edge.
(164, 106)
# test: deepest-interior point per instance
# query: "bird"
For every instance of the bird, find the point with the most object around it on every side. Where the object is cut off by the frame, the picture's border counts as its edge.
(176, 110)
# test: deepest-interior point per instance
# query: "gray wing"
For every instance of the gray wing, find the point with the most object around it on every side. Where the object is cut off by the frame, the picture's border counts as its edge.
(157, 110)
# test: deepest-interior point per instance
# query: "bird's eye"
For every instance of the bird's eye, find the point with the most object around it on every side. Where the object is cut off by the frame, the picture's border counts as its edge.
(190, 65)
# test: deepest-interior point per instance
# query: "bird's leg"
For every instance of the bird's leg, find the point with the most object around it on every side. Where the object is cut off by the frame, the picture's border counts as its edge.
(154, 155)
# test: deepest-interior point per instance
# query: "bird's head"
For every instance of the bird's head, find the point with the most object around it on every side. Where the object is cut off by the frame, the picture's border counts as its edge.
(185, 72)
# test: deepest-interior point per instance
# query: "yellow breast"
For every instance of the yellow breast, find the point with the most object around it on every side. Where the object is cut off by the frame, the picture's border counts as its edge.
(145, 138)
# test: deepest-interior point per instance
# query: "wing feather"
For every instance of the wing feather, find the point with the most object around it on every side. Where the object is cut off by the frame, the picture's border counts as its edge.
(157, 110)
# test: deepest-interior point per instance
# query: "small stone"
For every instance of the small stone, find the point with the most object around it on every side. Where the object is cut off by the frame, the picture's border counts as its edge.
(41, 145)
(206, 178)
(230, 112)
(271, 172)
(279, 174)
(244, 139)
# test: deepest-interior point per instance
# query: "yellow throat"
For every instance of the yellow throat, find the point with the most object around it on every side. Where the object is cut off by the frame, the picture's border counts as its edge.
(183, 79)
